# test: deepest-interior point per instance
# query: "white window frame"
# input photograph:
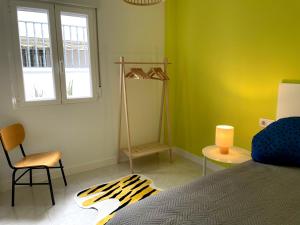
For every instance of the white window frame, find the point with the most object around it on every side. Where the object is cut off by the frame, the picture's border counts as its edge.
(55, 33)
(92, 35)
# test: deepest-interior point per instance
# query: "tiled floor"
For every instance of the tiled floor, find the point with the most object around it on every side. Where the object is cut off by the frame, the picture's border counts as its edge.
(33, 205)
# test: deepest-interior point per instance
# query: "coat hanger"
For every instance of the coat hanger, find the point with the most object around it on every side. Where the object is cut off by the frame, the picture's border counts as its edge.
(137, 73)
(157, 73)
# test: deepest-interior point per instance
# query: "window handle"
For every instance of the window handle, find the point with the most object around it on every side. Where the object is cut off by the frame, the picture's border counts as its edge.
(61, 66)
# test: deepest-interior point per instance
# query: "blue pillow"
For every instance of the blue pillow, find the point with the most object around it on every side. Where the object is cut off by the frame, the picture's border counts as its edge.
(279, 143)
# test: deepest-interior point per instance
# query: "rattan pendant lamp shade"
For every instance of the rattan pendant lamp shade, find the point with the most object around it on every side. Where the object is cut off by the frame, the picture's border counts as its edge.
(143, 2)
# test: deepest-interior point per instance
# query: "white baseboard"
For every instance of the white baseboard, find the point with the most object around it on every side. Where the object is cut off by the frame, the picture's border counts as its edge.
(41, 176)
(197, 159)
(90, 166)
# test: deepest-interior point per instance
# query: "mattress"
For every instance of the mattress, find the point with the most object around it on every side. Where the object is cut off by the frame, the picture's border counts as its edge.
(248, 194)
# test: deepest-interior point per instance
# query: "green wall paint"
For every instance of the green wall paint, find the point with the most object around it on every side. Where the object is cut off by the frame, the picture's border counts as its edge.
(229, 57)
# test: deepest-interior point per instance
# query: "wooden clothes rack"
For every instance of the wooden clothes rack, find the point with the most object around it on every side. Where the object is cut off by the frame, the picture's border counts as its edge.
(155, 73)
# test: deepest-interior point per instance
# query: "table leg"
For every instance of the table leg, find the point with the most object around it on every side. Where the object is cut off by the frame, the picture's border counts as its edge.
(204, 166)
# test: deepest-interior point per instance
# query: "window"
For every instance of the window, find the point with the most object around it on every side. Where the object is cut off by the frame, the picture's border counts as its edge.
(56, 52)
(76, 55)
(37, 63)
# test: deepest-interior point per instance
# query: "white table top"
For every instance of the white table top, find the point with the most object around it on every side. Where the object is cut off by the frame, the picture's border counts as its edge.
(236, 155)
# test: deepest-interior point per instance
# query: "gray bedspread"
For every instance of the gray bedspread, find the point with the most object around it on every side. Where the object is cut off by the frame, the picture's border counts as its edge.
(248, 194)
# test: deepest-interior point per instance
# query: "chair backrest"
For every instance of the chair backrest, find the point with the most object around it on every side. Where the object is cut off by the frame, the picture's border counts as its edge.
(12, 136)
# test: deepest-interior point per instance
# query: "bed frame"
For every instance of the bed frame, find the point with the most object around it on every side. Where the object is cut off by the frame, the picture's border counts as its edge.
(288, 99)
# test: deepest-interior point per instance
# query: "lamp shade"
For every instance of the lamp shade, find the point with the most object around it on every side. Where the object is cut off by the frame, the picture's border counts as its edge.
(224, 137)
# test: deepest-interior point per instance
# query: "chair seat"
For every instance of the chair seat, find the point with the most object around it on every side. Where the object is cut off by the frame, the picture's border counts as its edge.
(41, 159)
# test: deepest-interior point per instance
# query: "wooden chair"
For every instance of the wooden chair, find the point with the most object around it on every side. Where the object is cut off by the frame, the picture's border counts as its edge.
(12, 137)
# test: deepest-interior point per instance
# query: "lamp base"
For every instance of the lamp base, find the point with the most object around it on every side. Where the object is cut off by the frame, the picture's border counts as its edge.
(224, 151)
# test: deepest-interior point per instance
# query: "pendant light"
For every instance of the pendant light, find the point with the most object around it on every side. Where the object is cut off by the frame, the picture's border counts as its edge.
(143, 2)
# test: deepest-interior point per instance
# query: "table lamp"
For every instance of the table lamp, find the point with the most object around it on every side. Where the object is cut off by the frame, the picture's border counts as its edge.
(224, 138)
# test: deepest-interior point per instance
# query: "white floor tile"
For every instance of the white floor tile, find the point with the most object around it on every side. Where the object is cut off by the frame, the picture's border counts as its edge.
(33, 205)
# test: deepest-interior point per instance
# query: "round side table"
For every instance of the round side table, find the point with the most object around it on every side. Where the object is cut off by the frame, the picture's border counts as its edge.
(236, 155)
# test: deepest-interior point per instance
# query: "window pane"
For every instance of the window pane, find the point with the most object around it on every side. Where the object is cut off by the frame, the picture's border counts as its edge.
(76, 46)
(36, 55)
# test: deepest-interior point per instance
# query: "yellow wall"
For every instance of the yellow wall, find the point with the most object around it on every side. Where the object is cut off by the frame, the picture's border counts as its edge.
(230, 56)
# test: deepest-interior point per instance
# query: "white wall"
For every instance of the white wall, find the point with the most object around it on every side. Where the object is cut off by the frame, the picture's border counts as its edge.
(86, 133)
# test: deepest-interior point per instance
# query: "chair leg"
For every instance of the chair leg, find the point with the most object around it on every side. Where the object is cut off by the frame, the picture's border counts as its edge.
(50, 186)
(62, 172)
(13, 188)
(30, 177)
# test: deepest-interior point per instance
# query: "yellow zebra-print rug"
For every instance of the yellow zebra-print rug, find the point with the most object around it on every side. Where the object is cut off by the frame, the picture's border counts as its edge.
(110, 197)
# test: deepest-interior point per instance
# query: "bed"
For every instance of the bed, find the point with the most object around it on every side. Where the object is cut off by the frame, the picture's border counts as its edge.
(251, 193)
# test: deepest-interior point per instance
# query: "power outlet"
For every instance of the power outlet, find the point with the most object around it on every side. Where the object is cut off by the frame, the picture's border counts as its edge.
(265, 122)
